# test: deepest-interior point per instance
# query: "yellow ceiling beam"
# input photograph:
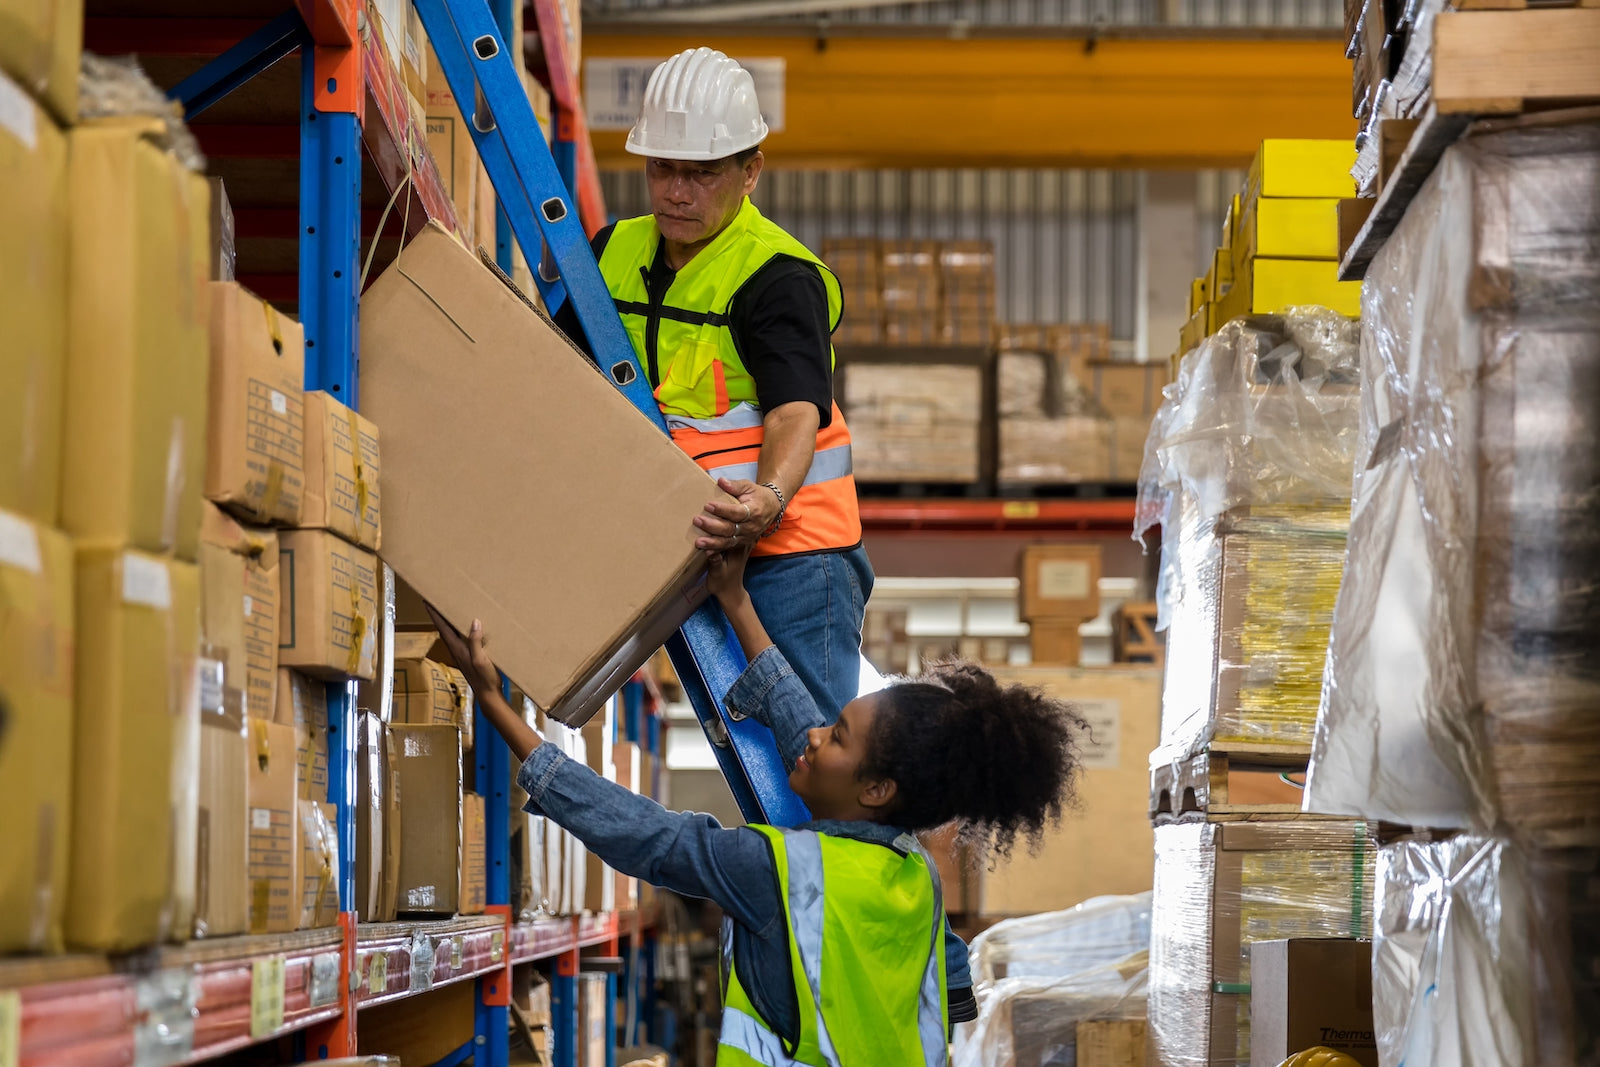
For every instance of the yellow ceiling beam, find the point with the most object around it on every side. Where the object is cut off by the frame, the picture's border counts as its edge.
(986, 102)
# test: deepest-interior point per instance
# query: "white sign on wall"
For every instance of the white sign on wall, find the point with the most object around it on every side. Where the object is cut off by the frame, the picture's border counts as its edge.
(613, 89)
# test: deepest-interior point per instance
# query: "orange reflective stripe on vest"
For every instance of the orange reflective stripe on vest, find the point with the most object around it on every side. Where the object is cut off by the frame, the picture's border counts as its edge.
(823, 515)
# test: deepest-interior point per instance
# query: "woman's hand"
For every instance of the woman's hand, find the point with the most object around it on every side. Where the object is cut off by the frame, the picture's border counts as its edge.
(470, 654)
(725, 577)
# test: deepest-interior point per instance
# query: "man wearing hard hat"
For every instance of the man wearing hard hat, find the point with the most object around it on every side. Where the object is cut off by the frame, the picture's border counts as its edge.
(731, 319)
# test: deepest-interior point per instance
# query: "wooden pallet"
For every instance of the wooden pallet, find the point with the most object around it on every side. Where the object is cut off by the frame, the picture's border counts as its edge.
(1133, 634)
(1262, 782)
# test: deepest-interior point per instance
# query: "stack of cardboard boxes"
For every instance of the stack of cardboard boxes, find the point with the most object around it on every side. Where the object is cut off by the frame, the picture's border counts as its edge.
(1280, 240)
(914, 293)
(855, 262)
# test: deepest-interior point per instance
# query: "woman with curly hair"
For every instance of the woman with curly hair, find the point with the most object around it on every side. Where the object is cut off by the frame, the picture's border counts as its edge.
(836, 951)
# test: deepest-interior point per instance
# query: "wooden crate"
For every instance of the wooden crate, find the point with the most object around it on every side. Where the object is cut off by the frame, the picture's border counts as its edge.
(1111, 1043)
(1133, 634)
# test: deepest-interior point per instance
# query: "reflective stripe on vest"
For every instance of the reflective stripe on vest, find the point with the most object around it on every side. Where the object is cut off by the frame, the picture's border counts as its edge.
(687, 346)
(896, 889)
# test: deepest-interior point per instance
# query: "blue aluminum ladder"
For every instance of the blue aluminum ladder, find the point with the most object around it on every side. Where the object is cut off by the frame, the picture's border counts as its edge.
(539, 207)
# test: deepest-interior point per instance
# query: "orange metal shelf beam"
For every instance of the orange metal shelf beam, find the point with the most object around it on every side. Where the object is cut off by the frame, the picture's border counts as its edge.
(974, 515)
(1017, 102)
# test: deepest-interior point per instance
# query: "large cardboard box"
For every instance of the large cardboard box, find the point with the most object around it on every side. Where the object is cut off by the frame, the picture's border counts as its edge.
(1123, 708)
(429, 790)
(474, 856)
(369, 812)
(33, 301)
(36, 651)
(915, 421)
(480, 399)
(1060, 581)
(1309, 992)
(239, 609)
(1128, 388)
(330, 607)
(274, 866)
(343, 493)
(137, 722)
(303, 704)
(255, 438)
(317, 842)
(41, 43)
(133, 450)
(1072, 450)
(222, 895)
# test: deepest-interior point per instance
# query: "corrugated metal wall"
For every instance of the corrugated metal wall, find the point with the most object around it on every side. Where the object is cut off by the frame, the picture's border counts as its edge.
(1066, 241)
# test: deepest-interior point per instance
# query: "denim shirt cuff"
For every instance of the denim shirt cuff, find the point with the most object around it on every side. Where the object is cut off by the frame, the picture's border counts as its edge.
(748, 696)
(538, 769)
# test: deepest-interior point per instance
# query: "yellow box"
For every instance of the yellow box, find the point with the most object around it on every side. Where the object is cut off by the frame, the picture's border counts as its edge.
(138, 622)
(41, 42)
(36, 612)
(1220, 277)
(1276, 284)
(33, 302)
(1196, 330)
(1319, 168)
(1199, 293)
(1230, 221)
(1290, 228)
(133, 453)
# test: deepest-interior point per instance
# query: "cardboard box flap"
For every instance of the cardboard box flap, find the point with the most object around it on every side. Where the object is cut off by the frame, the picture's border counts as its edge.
(482, 401)
(219, 528)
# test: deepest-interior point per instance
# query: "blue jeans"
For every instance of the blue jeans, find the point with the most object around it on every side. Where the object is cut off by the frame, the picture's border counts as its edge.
(812, 607)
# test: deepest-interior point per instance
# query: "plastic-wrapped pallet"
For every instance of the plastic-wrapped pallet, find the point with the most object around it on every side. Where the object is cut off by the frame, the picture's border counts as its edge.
(914, 422)
(1220, 887)
(1462, 686)
(1038, 977)
(1485, 955)
(1247, 470)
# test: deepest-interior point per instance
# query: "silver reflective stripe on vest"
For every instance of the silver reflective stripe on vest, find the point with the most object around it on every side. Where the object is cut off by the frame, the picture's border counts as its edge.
(826, 465)
(805, 917)
(742, 1032)
(931, 1014)
(742, 416)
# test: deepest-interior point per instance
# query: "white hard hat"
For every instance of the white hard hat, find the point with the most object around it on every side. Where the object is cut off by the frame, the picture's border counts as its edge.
(698, 105)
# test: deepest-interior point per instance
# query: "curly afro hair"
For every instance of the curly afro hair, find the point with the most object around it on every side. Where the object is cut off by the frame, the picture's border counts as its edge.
(998, 760)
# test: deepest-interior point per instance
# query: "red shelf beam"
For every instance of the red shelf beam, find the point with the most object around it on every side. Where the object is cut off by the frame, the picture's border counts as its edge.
(878, 515)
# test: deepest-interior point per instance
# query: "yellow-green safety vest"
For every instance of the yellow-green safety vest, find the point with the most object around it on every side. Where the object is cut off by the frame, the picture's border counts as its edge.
(866, 951)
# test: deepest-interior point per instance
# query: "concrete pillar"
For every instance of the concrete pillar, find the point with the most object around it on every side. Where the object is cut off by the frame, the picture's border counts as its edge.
(1168, 249)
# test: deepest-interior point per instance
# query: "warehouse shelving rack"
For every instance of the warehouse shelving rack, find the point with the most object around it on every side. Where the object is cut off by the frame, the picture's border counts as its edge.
(188, 1003)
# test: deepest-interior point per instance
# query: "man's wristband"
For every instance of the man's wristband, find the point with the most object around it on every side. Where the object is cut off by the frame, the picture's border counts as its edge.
(783, 505)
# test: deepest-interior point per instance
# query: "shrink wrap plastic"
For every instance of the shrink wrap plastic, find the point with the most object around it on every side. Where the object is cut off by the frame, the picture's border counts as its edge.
(1462, 686)
(1037, 977)
(1247, 470)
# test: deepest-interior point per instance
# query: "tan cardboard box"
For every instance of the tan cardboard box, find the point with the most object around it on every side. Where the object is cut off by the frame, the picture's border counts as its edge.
(450, 142)
(1060, 582)
(137, 720)
(40, 47)
(474, 856)
(426, 690)
(330, 608)
(303, 704)
(389, 884)
(133, 451)
(318, 845)
(274, 871)
(342, 480)
(1071, 450)
(1128, 388)
(377, 696)
(33, 301)
(571, 617)
(1055, 643)
(36, 747)
(369, 811)
(224, 255)
(1128, 436)
(239, 589)
(255, 437)
(222, 895)
(429, 788)
(1123, 708)
(1311, 991)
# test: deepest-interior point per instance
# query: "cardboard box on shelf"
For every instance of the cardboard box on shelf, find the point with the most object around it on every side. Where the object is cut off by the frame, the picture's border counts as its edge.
(1128, 388)
(377, 696)
(36, 688)
(303, 704)
(1266, 286)
(1060, 581)
(274, 866)
(474, 856)
(572, 619)
(450, 143)
(41, 45)
(393, 838)
(1122, 706)
(1055, 643)
(426, 690)
(33, 301)
(1301, 168)
(915, 421)
(1071, 450)
(255, 437)
(136, 720)
(318, 845)
(222, 859)
(1128, 436)
(133, 453)
(328, 627)
(1309, 992)
(343, 489)
(369, 809)
(239, 609)
(1289, 228)
(428, 780)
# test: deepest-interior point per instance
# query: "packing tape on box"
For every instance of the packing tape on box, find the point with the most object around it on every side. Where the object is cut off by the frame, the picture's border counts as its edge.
(173, 503)
(362, 491)
(358, 626)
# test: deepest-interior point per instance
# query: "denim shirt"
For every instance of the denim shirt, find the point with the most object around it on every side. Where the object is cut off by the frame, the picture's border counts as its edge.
(695, 856)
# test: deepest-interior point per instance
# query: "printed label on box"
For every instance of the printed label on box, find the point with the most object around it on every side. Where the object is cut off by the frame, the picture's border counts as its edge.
(19, 544)
(266, 996)
(146, 582)
(16, 115)
(1064, 579)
